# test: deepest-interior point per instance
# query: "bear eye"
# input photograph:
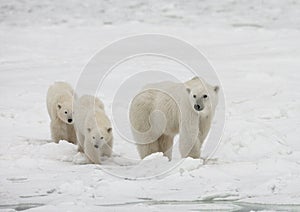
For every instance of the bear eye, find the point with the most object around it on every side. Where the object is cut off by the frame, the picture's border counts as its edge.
(205, 96)
(194, 96)
(101, 138)
(66, 112)
(93, 137)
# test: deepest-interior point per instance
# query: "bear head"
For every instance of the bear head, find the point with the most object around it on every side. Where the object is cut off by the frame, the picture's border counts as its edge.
(65, 111)
(98, 132)
(203, 97)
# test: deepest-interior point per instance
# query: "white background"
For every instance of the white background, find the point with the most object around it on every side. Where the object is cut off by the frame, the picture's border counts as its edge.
(254, 47)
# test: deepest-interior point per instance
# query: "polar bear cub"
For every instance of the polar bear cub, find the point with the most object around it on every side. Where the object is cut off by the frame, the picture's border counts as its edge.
(162, 110)
(93, 128)
(60, 98)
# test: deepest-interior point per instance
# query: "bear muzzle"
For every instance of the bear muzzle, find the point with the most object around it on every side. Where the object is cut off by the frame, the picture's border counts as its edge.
(198, 107)
(99, 143)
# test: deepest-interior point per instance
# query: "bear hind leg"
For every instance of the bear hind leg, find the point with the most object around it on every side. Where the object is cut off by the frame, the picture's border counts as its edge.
(166, 145)
(147, 149)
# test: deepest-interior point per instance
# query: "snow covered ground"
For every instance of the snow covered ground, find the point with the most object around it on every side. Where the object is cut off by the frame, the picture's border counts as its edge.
(255, 50)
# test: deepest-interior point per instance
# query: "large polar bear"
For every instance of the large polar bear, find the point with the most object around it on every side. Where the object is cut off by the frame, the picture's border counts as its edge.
(93, 128)
(162, 110)
(60, 98)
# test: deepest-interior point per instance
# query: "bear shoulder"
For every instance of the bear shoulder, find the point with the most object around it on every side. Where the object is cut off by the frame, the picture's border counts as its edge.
(165, 89)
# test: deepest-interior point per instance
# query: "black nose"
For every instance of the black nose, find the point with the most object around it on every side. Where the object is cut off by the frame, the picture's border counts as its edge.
(70, 120)
(197, 107)
(96, 146)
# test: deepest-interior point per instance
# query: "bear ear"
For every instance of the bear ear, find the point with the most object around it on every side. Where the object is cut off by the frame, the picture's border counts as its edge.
(194, 78)
(109, 130)
(89, 129)
(58, 105)
(188, 90)
(216, 89)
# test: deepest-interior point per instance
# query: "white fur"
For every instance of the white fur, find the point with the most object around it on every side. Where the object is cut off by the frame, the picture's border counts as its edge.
(162, 110)
(93, 128)
(60, 108)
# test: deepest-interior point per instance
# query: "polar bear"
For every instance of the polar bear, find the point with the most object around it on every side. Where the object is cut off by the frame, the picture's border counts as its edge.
(60, 98)
(162, 110)
(93, 128)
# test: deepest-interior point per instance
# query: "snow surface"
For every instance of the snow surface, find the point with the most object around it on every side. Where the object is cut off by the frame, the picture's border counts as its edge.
(255, 50)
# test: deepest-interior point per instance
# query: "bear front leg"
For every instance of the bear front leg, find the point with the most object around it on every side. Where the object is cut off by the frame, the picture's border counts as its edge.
(72, 138)
(55, 131)
(107, 149)
(80, 148)
(147, 149)
(188, 140)
(92, 153)
(195, 151)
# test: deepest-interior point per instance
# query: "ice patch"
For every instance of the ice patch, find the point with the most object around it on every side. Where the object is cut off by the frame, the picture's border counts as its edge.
(63, 151)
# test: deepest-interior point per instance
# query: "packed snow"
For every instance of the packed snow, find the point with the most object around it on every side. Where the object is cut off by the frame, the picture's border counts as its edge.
(254, 48)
